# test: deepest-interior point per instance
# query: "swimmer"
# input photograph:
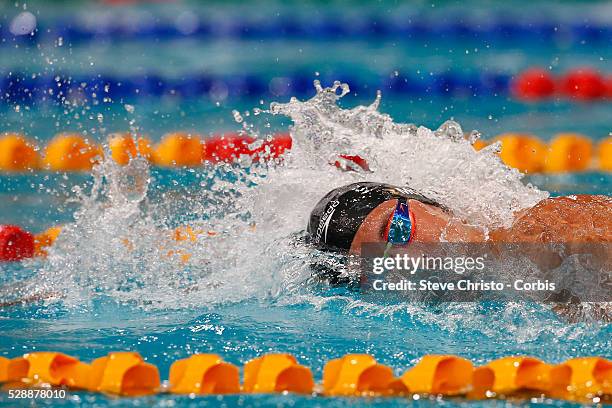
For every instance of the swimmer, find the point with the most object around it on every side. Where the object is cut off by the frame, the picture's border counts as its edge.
(350, 216)
(369, 212)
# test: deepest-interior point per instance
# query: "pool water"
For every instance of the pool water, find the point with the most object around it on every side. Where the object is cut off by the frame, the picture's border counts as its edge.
(252, 297)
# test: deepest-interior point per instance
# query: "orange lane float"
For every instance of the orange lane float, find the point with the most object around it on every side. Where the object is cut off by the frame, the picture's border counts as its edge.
(17, 153)
(179, 149)
(45, 239)
(440, 374)
(13, 370)
(277, 373)
(482, 383)
(123, 373)
(204, 374)
(16, 244)
(124, 146)
(479, 144)
(4, 365)
(71, 152)
(359, 374)
(520, 374)
(586, 377)
(568, 152)
(523, 152)
(52, 368)
(605, 154)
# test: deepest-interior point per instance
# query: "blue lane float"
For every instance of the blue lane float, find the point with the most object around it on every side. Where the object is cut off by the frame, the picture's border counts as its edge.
(25, 88)
(73, 30)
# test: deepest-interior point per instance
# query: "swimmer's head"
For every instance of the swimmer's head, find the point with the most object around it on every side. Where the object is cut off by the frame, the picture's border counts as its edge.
(337, 217)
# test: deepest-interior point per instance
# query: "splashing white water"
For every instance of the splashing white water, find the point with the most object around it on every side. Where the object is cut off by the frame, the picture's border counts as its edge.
(441, 163)
(121, 246)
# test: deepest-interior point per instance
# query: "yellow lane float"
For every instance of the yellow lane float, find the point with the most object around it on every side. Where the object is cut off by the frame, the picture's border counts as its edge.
(71, 152)
(568, 152)
(204, 374)
(180, 149)
(13, 371)
(359, 374)
(54, 369)
(517, 374)
(605, 154)
(123, 373)
(440, 374)
(482, 383)
(17, 153)
(479, 144)
(584, 379)
(587, 377)
(523, 152)
(277, 373)
(45, 240)
(4, 365)
(124, 146)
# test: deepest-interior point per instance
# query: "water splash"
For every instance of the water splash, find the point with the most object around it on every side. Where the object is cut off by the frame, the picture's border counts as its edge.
(121, 244)
(440, 163)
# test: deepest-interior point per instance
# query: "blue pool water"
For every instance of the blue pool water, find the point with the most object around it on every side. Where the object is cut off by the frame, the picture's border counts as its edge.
(109, 307)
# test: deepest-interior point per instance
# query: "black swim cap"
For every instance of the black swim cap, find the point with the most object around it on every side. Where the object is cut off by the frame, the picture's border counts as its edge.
(336, 218)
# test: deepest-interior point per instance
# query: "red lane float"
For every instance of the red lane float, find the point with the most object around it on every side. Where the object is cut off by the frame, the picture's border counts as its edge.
(279, 144)
(583, 84)
(229, 147)
(347, 162)
(534, 84)
(15, 243)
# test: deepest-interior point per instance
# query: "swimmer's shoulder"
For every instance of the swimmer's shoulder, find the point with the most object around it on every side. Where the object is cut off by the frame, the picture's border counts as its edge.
(568, 218)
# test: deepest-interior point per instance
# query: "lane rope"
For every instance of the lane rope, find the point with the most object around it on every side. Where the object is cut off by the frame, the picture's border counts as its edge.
(66, 152)
(405, 26)
(580, 84)
(582, 379)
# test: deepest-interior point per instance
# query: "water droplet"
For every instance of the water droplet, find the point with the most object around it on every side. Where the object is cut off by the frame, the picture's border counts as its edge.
(237, 117)
(23, 24)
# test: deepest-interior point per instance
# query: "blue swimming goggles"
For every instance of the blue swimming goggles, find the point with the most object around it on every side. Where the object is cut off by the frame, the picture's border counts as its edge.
(400, 227)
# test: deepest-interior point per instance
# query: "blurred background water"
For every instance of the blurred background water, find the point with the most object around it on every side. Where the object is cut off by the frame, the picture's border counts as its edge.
(156, 67)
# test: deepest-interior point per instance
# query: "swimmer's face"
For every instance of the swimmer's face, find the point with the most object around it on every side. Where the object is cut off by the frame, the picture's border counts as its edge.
(431, 222)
